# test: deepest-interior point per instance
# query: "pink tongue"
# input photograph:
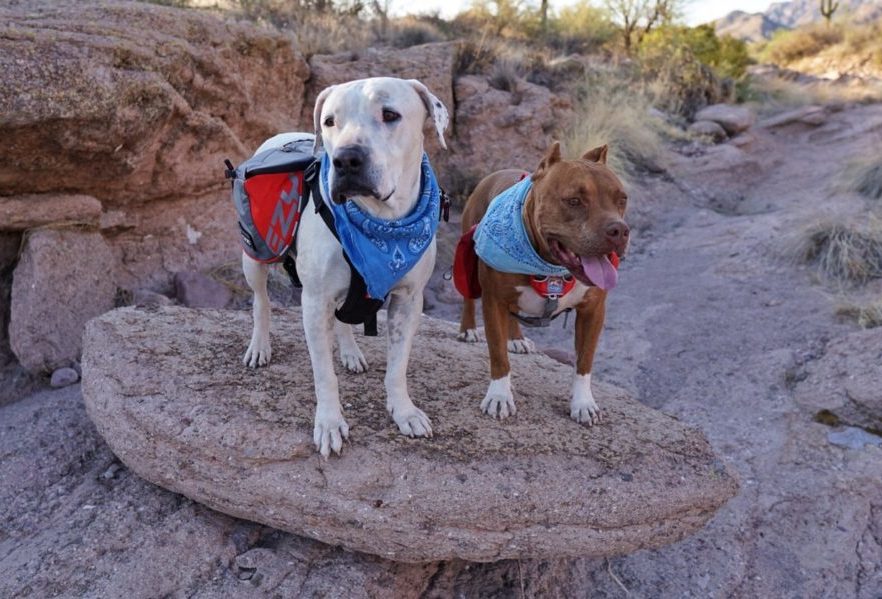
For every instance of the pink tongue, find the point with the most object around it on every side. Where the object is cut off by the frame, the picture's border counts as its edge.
(600, 271)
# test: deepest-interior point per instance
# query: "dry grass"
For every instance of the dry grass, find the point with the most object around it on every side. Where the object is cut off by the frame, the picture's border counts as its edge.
(863, 176)
(867, 316)
(769, 94)
(787, 46)
(611, 111)
(843, 252)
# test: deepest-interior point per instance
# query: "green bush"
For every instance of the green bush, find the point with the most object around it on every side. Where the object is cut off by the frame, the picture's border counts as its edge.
(726, 55)
(580, 28)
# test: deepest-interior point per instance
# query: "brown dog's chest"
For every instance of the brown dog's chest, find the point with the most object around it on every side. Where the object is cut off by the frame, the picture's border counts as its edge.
(529, 303)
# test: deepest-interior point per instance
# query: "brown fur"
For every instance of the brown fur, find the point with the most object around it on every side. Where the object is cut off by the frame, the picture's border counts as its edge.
(550, 211)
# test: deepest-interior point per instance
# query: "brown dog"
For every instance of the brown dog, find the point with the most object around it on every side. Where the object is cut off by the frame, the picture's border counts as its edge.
(573, 216)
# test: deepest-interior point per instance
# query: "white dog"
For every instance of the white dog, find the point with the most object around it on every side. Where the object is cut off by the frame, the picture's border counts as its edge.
(372, 133)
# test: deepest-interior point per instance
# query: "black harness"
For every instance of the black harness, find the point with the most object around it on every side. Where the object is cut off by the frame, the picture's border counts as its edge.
(358, 307)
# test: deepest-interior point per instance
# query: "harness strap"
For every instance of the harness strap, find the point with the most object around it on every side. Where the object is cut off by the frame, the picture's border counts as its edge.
(357, 308)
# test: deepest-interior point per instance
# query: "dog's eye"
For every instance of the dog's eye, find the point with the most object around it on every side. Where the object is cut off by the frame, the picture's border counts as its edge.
(574, 202)
(390, 116)
(329, 121)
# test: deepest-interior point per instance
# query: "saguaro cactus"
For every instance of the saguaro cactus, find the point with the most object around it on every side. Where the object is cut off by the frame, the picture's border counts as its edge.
(828, 7)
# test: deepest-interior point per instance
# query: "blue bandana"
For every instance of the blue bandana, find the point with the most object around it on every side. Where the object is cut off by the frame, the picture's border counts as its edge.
(501, 239)
(383, 251)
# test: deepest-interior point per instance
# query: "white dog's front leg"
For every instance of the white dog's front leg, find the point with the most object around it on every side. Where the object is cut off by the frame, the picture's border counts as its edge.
(402, 322)
(583, 408)
(350, 354)
(330, 427)
(259, 351)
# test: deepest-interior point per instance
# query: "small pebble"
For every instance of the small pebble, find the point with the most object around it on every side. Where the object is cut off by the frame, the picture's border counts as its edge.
(853, 438)
(64, 377)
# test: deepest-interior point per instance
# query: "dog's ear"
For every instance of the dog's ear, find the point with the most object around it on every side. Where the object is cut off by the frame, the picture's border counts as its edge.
(552, 155)
(435, 107)
(598, 154)
(317, 117)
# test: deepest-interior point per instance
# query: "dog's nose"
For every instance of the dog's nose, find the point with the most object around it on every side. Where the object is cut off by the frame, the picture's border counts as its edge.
(617, 232)
(349, 160)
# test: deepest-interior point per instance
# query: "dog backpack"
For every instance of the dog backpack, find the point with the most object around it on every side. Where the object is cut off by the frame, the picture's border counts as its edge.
(268, 192)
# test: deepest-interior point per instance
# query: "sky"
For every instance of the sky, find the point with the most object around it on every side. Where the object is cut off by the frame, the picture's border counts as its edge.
(697, 11)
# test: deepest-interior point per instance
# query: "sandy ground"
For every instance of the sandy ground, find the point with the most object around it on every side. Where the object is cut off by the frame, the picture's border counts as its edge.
(712, 323)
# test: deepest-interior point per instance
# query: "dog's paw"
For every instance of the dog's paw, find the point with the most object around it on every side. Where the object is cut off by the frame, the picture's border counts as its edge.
(329, 432)
(583, 408)
(259, 353)
(498, 406)
(353, 361)
(469, 336)
(499, 401)
(412, 421)
(585, 412)
(521, 346)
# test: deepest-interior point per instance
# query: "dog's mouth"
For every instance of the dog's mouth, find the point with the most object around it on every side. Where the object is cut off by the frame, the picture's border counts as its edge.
(594, 271)
(348, 191)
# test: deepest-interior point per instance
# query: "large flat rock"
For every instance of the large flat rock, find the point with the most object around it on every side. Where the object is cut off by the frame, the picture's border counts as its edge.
(167, 390)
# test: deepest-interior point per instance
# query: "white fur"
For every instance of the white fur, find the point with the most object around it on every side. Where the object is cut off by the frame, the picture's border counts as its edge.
(499, 401)
(395, 153)
(469, 336)
(533, 304)
(521, 346)
(583, 408)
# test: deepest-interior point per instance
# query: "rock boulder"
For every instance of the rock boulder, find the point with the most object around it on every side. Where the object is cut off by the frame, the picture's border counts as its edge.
(129, 101)
(167, 390)
(734, 119)
(845, 381)
(63, 278)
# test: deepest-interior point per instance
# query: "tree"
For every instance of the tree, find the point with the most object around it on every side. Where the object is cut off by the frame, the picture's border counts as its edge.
(640, 16)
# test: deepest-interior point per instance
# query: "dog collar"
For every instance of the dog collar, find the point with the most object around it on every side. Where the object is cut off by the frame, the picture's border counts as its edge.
(552, 288)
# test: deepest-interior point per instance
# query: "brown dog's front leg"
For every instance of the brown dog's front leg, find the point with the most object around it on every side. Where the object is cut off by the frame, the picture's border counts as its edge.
(589, 324)
(499, 401)
(468, 327)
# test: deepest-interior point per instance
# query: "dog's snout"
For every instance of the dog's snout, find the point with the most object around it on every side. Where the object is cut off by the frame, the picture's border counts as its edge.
(350, 160)
(617, 232)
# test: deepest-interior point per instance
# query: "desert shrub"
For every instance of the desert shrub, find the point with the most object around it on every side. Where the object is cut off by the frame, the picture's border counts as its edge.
(787, 46)
(611, 110)
(318, 27)
(413, 31)
(580, 28)
(864, 177)
(844, 252)
(864, 40)
(678, 81)
(504, 75)
(772, 92)
(727, 56)
(867, 316)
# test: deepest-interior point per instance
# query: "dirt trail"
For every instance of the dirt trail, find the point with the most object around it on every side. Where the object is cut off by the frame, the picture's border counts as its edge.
(710, 324)
(713, 325)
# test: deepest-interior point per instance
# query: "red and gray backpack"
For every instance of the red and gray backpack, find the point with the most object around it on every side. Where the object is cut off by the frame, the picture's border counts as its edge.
(270, 190)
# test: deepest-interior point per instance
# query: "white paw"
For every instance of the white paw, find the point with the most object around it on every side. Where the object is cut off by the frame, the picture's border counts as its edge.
(353, 361)
(412, 421)
(469, 336)
(521, 346)
(259, 353)
(329, 432)
(585, 412)
(583, 408)
(499, 401)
